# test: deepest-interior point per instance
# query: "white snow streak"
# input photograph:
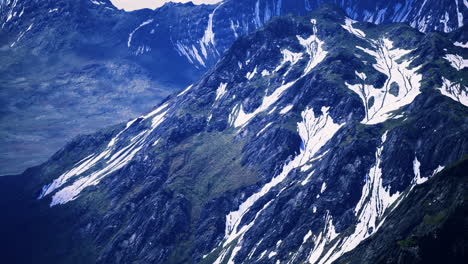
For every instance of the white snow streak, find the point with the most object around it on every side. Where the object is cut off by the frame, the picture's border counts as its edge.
(207, 42)
(417, 172)
(456, 61)
(191, 53)
(234, 28)
(21, 35)
(95, 167)
(288, 56)
(264, 128)
(374, 202)
(323, 188)
(250, 75)
(313, 47)
(306, 237)
(326, 236)
(220, 91)
(444, 21)
(315, 132)
(456, 91)
(185, 90)
(437, 170)
(349, 27)
(398, 73)
(286, 109)
(243, 118)
(130, 36)
(461, 44)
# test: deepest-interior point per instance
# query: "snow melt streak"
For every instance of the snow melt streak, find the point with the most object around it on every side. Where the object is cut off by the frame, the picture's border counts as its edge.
(315, 132)
(375, 201)
(313, 47)
(456, 91)
(108, 161)
(349, 27)
(400, 89)
(457, 61)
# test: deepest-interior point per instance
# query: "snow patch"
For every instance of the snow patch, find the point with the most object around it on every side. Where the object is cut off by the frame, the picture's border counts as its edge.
(316, 53)
(286, 109)
(243, 118)
(324, 238)
(456, 91)
(288, 56)
(349, 27)
(398, 74)
(221, 91)
(460, 44)
(314, 48)
(456, 61)
(250, 75)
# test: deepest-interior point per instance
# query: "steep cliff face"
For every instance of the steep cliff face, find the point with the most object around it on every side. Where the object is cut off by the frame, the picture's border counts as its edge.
(71, 67)
(303, 140)
(429, 226)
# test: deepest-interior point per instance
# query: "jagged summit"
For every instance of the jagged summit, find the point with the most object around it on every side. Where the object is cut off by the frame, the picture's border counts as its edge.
(294, 148)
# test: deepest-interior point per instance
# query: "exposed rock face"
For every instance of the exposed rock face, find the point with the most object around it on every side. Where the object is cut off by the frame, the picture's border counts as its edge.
(71, 67)
(429, 226)
(296, 147)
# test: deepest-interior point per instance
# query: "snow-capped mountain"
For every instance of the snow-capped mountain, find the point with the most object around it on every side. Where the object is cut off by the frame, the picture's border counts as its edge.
(309, 138)
(227, 20)
(71, 67)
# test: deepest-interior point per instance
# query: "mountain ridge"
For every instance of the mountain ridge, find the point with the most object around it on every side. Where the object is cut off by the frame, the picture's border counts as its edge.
(262, 160)
(89, 62)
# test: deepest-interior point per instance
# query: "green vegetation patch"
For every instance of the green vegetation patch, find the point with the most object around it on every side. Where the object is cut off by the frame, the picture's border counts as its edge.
(207, 165)
(435, 219)
(407, 243)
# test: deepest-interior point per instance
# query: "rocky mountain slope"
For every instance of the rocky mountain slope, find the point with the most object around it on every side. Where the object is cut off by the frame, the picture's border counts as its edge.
(71, 67)
(299, 146)
(429, 226)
